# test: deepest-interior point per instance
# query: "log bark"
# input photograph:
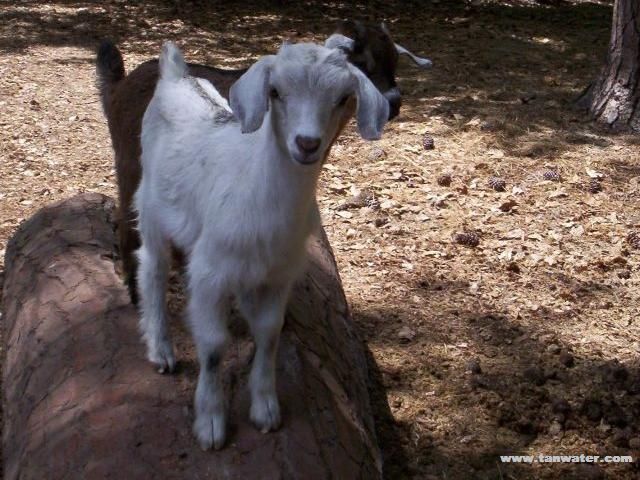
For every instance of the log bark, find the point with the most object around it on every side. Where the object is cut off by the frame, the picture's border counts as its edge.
(614, 98)
(80, 400)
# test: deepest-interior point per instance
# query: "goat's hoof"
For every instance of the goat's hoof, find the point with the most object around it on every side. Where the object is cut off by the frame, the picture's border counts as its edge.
(210, 431)
(265, 413)
(162, 356)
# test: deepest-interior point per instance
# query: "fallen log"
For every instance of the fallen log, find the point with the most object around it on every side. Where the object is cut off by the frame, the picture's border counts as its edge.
(81, 401)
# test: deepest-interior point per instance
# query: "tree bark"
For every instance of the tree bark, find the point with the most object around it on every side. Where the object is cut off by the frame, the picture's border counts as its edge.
(80, 400)
(614, 98)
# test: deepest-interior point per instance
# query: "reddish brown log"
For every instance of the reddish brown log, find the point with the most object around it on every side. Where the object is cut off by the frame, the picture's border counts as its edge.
(81, 402)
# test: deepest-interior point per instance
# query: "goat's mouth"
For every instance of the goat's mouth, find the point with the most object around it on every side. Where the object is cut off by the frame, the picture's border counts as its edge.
(306, 158)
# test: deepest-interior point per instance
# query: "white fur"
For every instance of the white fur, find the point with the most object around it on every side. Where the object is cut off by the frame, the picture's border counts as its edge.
(239, 205)
(421, 62)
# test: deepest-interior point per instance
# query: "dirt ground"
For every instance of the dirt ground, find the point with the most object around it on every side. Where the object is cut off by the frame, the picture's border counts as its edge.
(528, 343)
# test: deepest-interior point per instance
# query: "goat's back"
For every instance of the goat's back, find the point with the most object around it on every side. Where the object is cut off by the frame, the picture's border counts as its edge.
(125, 109)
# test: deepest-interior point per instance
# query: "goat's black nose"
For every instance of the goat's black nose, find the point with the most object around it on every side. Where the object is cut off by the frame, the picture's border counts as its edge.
(307, 144)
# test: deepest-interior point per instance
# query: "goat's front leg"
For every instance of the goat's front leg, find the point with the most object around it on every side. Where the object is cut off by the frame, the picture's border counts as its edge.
(207, 316)
(264, 309)
(152, 278)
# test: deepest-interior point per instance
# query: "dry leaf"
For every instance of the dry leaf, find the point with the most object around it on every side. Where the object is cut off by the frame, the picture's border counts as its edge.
(577, 231)
(495, 153)
(559, 193)
(593, 173)
(517, 234)
(406, 334)
(506, 255)
(508, 205)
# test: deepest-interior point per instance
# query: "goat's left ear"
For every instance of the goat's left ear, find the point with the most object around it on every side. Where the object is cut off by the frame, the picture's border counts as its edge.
(249, 95)
(373, 109)
(421, 62)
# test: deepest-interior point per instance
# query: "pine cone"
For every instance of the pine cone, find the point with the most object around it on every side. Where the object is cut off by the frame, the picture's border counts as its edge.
(428, 143)
(498, 184)
(551, 175)
(594, 186)
(371, 200)
(634, 239)
(377, 153)
(444, 180)
(469, 239)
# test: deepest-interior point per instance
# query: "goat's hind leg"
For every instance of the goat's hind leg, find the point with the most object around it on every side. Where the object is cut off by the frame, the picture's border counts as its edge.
(129, 244)
(264, 309)
(153, 269)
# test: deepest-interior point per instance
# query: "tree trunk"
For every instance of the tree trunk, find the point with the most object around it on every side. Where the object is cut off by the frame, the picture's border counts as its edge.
(615, 97)
(80, 400)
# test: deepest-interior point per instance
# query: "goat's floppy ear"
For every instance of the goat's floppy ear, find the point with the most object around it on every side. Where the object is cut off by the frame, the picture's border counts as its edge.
(373, 109)
(249, 95)
(421, 62)
(340, 41)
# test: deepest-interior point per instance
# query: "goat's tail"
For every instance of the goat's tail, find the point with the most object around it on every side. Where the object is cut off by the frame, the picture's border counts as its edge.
(172, 64)
(109, 69)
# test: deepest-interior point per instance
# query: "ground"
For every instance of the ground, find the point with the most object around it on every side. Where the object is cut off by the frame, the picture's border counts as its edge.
(525, 344)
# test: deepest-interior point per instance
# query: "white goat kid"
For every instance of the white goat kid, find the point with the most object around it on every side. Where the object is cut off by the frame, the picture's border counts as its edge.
(237, 193)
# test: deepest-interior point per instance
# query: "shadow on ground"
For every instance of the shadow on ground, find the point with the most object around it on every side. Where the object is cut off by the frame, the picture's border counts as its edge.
(500, 386)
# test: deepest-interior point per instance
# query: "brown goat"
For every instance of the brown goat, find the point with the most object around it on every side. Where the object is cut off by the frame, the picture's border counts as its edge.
(125, 99)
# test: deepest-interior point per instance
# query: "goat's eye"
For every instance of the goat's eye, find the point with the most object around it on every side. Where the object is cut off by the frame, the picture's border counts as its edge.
(274, 93)
(343, 100)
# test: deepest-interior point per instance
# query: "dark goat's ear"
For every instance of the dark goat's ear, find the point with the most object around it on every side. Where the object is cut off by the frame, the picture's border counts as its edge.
(421, 62)
(346, 27)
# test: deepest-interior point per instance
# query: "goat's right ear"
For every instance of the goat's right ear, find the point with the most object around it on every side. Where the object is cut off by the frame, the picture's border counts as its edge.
(340, 41)
(249, 95)
(373, 108)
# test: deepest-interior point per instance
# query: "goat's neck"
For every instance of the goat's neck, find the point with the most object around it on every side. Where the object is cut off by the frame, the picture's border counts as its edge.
(291, 185)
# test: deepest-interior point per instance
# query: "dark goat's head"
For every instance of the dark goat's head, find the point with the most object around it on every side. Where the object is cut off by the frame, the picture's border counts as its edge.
(371, 48)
